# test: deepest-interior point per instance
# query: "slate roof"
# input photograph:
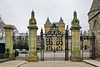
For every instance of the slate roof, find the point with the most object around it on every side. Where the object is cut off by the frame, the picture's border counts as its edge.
(61, 20)
(48, 21)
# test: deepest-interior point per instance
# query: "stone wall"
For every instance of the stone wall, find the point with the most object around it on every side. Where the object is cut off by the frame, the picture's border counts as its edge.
(94, 26)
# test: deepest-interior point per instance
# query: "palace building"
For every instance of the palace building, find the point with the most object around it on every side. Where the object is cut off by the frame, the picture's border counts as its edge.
(53, 41)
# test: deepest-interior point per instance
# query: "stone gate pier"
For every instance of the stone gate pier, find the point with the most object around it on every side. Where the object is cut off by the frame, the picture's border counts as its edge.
(32, 39)
(9, 41)
(75, 32)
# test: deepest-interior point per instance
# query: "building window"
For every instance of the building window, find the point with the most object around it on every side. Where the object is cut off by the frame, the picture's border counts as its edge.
(85, 47)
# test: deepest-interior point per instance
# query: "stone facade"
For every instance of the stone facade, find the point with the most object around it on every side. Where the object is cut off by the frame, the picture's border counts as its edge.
(59, 24)
(48, 28)
(94, 24)
(20, 36)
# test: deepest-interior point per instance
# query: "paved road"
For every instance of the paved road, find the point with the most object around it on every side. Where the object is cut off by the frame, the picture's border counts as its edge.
(96, 63)
(59, 56)
(50, 56)
(49, 61)
(56, 64)
(14, 63)
(22, 57)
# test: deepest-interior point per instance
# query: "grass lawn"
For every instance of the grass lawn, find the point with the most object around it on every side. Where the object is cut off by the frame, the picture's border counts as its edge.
(1, 59)
(38, 50)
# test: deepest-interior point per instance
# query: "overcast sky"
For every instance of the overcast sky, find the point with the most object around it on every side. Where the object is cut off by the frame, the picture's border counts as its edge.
(18, 12)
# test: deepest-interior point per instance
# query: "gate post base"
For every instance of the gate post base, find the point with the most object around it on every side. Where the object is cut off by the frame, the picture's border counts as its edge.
(76, 58)
(6, 55)
(33, 58)
(11, 56)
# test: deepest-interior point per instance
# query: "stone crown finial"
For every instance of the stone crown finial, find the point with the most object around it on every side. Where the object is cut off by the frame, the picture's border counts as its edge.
(75, 20)
(75, 14)
(32, 14)
(33, 11)
(32, 20)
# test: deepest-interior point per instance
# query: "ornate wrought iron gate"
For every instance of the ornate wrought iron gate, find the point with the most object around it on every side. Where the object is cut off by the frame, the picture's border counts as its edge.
(91, 39)
(54, 41)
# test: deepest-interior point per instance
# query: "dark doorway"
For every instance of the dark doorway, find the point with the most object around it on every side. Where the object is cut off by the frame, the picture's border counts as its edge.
(2, 47)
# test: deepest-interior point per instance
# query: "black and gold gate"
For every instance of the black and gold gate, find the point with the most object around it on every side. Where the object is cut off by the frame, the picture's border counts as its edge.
(54, 41)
